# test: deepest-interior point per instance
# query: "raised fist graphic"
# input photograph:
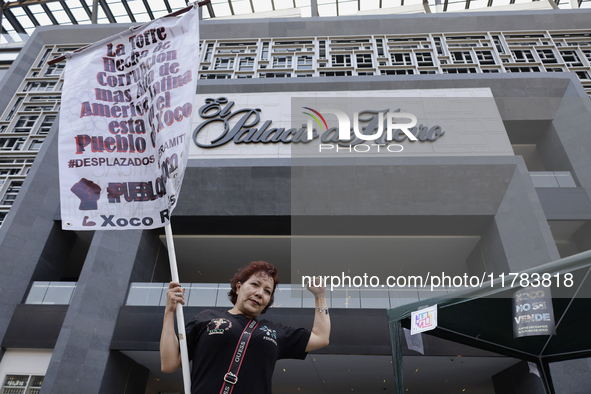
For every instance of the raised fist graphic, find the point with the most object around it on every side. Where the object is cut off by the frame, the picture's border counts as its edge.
(88, 192)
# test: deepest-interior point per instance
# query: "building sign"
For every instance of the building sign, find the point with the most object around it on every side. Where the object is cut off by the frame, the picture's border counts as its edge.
(533, 313)
(249, 129)
(126, 116)
(423, 320)
(451, 122)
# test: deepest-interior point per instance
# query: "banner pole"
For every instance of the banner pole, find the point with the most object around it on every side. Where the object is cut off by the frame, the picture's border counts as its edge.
(180, 318)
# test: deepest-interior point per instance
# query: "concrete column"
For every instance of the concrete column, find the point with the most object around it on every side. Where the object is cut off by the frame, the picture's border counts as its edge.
(82, 361)
(518, 237)
(314, 7)
(438, 6)
(569, 136)
(94, 16)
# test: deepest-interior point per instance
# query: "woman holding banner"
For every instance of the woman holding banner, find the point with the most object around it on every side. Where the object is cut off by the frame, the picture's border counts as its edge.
(233, 350)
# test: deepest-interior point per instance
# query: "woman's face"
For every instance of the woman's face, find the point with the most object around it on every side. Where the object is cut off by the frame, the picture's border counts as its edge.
(254, 294)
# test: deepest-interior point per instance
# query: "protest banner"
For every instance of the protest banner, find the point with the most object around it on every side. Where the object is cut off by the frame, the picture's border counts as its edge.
(127, 106)
(533, 312)
(126, 112)
(423, 320)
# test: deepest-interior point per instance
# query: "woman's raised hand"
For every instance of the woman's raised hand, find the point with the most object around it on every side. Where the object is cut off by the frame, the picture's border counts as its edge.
(174, 294)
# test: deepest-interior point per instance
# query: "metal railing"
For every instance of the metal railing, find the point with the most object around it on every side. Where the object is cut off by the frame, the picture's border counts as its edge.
(51, 293)
(552, 179)
(216, 295)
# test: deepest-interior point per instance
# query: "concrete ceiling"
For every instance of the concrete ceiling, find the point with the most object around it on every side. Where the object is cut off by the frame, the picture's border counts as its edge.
(215, 259)
(326, 373)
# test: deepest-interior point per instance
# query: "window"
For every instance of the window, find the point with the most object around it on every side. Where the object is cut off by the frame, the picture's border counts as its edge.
(215, 76)
(22, 384)
(547, 56)
(246, 64)
(380, 46)
(424, 58)
(54, 70)
(462, 38)
(224, 63)
(364, 61)
(305, 62)
(582, 74)
(67, 49)
(462, 44)
(459, 70)
(438, 45)
(2, 214)
(274, 75)
(322, 49)
(522, 69)
(335, 73)
(11, 143)
(44, 57)
(11, 193)
(25, 123)
(265, 51)
(499, 44)
(14, 108)
(401, 59)
(39, 86)
(525, 35)
(461, 57)
(408, 42)
(397, 72)
(10, 171)
(281, 61)
(35, 144)
(350, 41)
(33, 99)
(38, 108)
(523, 56)
(485, 57)
(208, 53)
(341, 60)
(571, 59)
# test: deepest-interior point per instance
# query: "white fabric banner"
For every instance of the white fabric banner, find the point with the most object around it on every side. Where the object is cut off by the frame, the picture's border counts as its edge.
(125, 123)
(414, 342)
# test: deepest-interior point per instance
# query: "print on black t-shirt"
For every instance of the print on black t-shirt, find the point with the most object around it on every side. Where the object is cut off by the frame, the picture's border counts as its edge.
(212, 337)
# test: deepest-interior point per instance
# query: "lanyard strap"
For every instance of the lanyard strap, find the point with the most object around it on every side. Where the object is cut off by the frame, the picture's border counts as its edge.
(231, 377)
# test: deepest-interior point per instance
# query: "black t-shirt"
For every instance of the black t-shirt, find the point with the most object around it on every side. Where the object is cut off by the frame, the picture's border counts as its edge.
(212, 337)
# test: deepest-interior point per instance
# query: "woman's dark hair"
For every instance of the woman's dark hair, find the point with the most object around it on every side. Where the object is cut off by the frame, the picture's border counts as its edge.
(254, 268)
